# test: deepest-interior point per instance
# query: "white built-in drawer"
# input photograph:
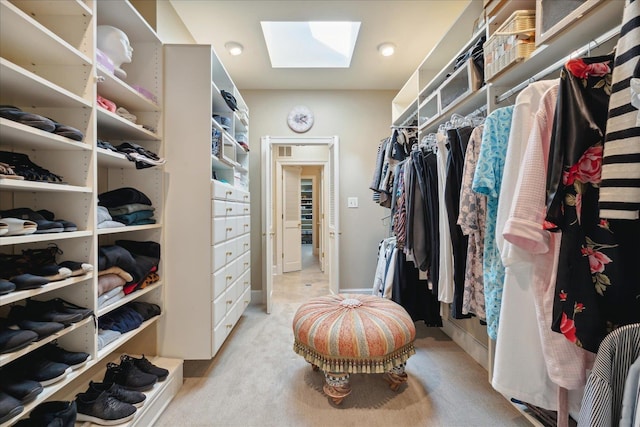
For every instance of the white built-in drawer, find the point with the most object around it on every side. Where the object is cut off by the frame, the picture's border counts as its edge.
(220, 208)
(219, 282)
(220, 334)
(244, 243)
(219, 309)
(245, 262)
(245, 209)
(245, 224)
(231, 273)
(243, 196)
(222, 191)
(219, 230)
(219, 256)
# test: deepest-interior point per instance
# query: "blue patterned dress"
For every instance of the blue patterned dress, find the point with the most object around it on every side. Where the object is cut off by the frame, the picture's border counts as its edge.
(487, 181)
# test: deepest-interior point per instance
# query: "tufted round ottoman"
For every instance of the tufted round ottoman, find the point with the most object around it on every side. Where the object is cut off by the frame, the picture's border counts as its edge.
(346, 334)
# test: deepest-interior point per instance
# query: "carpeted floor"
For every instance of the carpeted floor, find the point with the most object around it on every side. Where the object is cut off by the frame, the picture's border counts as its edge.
(256, 380)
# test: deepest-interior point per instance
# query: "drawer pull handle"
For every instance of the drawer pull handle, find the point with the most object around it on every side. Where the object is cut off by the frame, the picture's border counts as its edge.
(246, 302)
(229, 228)
(229, 209)
(246, 263)
(246, 225)
(229, 253)
(229, 302)
(229, 277)
(229, 326)
(246, 209)
(228, 192)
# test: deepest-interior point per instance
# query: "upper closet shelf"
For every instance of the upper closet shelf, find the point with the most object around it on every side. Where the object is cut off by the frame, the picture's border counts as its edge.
(45, 237)
(114, 89)
(16, 296)
(598, 21)
(112, 159)
(463, 106)
(24, 39)
(22, 87)
(17, 185)
(111, 125)
(127, 229)
(58, 7)
(125, 17)
(17, 135)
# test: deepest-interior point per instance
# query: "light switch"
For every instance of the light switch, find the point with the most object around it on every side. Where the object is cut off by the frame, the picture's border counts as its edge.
(352, 202)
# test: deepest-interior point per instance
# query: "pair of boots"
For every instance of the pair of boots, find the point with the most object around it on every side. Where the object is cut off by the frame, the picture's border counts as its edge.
(43, 263)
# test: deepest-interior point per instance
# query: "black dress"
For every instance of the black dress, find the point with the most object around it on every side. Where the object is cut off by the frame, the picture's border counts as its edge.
(598, 279)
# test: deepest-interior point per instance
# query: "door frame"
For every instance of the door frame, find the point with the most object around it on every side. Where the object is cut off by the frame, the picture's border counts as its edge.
(281, 216)
(268, 146)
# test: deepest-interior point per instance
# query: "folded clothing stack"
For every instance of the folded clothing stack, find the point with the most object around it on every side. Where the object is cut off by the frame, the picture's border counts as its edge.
(125, 267)
(127, 206)
(128, 317)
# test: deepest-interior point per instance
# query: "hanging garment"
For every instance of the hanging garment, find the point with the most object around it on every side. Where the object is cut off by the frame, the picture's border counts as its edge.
(598, 281)
(620, 186)
(457, 141)
(630, 412)
(413, 294)
(385, 248)
(420, 238)
(432, 207)
(443, 257)
(566, 364)
(473, 212)
(602, 401)
(487, 180)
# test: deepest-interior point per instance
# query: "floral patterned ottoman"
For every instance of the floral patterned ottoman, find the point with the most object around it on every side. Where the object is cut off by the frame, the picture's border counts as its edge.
(345, 334)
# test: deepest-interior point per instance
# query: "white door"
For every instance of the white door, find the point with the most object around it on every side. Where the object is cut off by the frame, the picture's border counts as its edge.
(267, 225)
(321, 221)
(291, 213)
(334, 224)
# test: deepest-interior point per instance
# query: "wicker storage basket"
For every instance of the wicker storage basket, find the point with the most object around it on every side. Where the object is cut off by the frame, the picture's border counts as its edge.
(513, 42)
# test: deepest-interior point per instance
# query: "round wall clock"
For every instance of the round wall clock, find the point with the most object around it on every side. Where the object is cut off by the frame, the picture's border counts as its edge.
(300, 119)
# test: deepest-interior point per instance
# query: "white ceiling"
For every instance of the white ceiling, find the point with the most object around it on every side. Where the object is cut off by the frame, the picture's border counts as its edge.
(413, 26)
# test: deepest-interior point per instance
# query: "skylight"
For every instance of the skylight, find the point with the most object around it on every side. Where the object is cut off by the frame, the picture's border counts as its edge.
(310, 44)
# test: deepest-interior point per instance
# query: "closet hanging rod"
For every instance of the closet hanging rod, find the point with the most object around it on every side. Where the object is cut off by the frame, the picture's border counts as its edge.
(559, 64)
(403, 127)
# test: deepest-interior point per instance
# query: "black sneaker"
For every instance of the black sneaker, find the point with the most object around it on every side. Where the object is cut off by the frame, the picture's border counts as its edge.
(50, 414)
(13, 340)
(74, 359)
(22, 389)
(146, 366)
(103, 409)
(134, 398)
(9, 407)
(44, 371)
(128, 376)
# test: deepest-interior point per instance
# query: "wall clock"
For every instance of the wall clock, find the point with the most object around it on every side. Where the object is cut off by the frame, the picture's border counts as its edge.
(300, 119)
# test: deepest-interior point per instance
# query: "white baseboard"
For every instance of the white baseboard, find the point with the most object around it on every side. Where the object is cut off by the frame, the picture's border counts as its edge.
(366, 291)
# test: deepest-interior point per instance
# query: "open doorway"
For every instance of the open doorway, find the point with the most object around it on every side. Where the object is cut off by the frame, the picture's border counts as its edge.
(281, 155)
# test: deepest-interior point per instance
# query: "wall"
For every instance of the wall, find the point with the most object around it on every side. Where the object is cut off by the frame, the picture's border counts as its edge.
(361, 119)
(170, 27)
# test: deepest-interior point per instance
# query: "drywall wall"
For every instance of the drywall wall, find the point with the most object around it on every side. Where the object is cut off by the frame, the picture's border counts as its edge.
(360, 119)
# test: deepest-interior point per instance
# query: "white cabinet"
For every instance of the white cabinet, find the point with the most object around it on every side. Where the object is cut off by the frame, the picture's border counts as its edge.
(207, 204)
(48, 67)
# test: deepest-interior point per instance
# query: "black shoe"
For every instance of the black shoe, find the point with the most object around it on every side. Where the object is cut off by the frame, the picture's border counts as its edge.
(103, 409)
(53, 414)
(146, 366)
(74, 359)
(6, 287)
(69, 307)
(128, 376)
(13, 340)
(43, 329)
(27, 281)
(47, 311)
(44, 371)
(9, 407)
(23, 390)
(134, 398)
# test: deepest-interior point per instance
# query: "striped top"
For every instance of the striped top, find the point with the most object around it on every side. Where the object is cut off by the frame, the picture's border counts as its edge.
(620, 188)
(602, 400)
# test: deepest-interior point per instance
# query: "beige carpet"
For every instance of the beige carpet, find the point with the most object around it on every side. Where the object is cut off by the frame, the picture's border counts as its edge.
(257, 380)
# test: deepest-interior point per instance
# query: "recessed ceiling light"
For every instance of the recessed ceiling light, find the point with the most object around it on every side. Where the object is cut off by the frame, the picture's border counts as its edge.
(234, 48)
(387, 49)
(315, 44)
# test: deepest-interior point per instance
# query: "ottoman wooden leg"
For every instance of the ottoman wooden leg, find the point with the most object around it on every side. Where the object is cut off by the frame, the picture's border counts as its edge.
(396, 376)
(337, 386)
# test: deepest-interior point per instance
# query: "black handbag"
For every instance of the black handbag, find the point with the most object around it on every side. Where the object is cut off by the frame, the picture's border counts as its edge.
(229, 99)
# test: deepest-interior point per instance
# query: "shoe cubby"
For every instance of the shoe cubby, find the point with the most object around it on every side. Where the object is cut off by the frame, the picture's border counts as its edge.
(53, 40)
(50, 72)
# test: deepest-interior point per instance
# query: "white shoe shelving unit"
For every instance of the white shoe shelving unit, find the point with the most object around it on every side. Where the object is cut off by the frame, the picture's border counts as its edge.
(48, 67)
